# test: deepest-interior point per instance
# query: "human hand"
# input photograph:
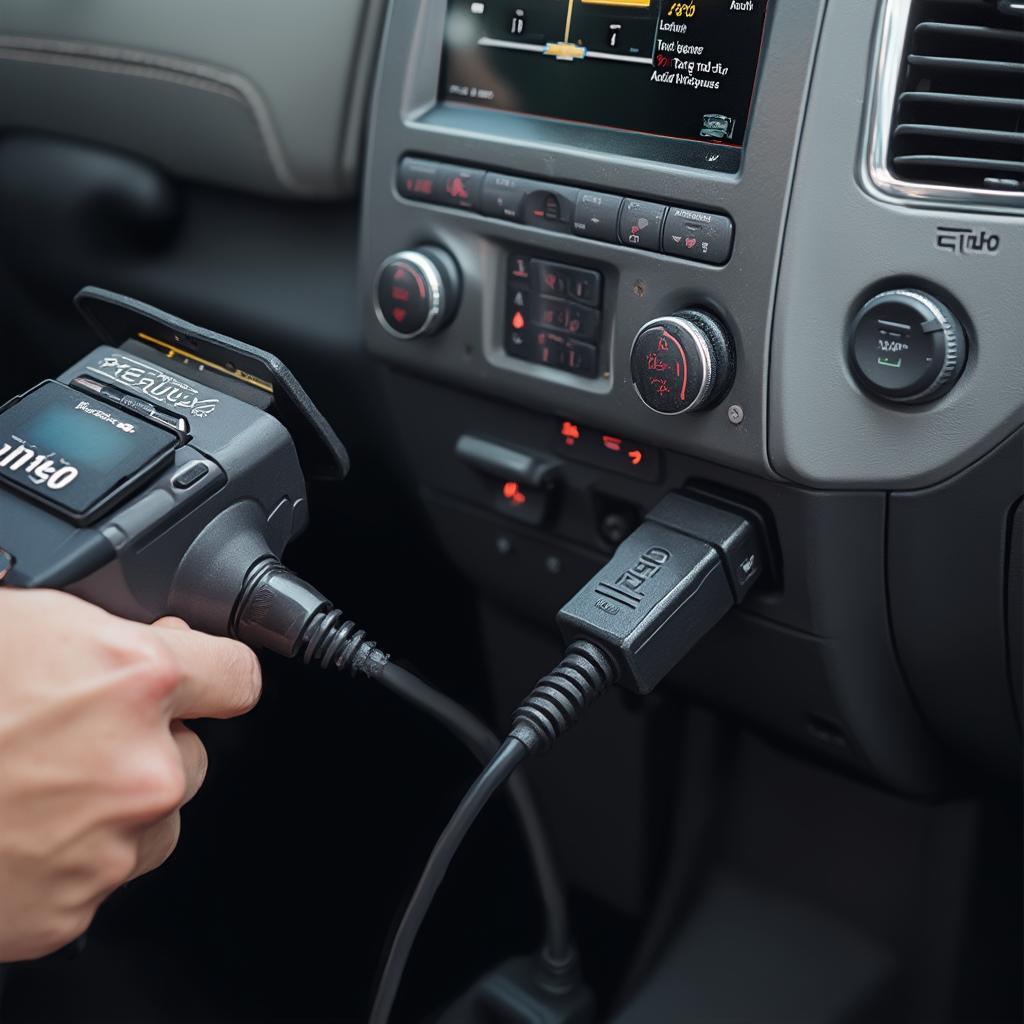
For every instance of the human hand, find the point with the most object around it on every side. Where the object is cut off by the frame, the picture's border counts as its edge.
(95, 761)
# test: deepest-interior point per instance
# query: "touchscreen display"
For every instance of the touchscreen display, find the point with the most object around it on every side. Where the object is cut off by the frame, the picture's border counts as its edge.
(684, 70)
(71, 450)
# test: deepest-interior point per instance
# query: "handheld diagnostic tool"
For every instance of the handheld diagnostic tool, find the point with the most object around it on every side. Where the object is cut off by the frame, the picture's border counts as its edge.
(157, 470)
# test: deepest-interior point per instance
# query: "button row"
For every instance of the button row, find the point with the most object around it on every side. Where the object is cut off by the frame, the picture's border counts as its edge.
(653, 227)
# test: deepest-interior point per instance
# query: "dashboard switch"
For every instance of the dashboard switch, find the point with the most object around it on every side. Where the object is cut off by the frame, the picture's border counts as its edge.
(550, 207)
(697, 235)
(417, 179)
(640, 224)
(503, 196)
(580, 358)
(459, 186)
(552, 278)
(585, 286)
(906, 346)
(597, 216)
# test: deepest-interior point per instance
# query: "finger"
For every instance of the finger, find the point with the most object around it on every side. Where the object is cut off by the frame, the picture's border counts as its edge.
(193, 757)
(171, 622)
(218, 678)
(157, 843)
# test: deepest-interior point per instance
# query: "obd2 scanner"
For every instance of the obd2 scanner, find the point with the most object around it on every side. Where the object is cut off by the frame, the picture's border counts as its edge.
(151, 476)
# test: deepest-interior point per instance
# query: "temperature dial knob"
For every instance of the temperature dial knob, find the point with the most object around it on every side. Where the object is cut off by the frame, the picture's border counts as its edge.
(906, 346)
(416, 292)
(682, 363)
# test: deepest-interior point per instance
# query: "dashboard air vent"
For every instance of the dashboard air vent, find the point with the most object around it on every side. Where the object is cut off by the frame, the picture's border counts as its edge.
(958, 111)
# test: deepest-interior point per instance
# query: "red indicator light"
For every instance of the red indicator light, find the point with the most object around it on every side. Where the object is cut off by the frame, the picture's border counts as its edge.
(398, 313)
(511, 492)
(613, 444)
(518, 321)
(635, 456)
(400, 294)
(456, 188)
(570, 432)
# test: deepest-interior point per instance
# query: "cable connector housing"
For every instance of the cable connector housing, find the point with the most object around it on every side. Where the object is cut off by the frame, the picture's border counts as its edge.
(663, 589)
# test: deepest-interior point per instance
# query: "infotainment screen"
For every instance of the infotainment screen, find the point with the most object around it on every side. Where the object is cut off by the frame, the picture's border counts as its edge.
(684, 70)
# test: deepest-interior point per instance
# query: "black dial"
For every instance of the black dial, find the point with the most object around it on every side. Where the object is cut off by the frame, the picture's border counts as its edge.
(906, 346)
(682, 363)
(416, 292)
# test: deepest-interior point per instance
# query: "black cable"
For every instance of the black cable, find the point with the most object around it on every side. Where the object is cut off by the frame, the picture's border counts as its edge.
(279, 611)
(554, 705)
(483, 744)
(509, 756)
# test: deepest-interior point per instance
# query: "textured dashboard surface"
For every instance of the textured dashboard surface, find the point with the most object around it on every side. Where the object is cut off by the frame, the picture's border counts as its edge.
(253, 94)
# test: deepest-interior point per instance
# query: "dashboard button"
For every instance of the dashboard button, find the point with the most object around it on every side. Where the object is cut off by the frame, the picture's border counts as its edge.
(459, 186)
(559, 315)
(549, 206)
(551, 278)
(697, 235)
(417, 179)
(585, 286)
(503, 196)
(597, 216)
(580, 358)
(640, 224)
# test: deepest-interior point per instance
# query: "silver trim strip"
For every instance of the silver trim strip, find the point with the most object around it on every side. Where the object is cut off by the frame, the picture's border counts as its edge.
(876, 178)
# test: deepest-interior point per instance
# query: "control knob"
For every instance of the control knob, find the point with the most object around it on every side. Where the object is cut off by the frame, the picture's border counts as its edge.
(682, 363)
(906, 346)
(416, 292)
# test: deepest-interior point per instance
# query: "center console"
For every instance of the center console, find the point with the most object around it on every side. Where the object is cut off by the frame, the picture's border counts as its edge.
(640, 157)
(616, 249)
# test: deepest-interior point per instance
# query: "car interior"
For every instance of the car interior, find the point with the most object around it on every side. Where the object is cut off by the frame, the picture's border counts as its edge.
(715, 304)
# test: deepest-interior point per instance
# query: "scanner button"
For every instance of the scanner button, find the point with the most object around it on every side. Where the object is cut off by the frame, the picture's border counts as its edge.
(192, 473)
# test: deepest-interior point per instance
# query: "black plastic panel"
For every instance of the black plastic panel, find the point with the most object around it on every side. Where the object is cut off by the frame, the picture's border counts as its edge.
(948, 557)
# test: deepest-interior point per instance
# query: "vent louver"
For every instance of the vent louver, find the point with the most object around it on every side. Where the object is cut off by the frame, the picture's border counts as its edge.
(951, 109)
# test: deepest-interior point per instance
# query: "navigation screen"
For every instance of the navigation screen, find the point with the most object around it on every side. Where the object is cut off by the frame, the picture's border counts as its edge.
(681, 70)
